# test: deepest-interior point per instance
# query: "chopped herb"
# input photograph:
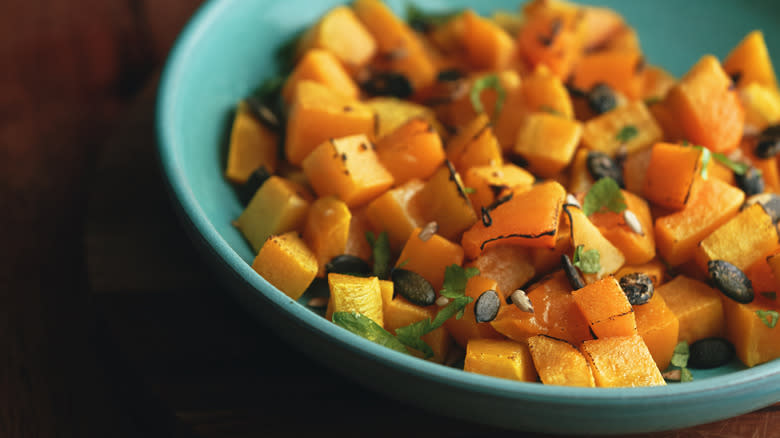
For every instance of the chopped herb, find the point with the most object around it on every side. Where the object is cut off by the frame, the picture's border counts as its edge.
(424, 21)
(685, 375)
(364, 326)
(588, 261)
(380, 250)
(705, 161)
(550, 110)
(480, 85)
(455, 279)
(738, 168)
(403, 263)
(411, 335)
(768, 317)
(681, 354)
(268, 88)
(769, 295)
(653, 100)
(604, 194)
(627, 133)
(469, 190)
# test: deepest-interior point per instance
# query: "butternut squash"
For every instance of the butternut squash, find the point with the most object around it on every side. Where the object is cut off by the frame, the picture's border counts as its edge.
(670, 174)
(557, 362)
(341, 33)
(443, 199)
(429, 256)
(487, 46)
(327, 229)
(500, 358)
(697, 306)
(621, 362)
(509, 265)
(414, 150)
(659, 328)
(750, 61)
(355, 294)
(252, 145)
(606, 308)
(547, 142)
(320, 66)
(287, 263)
(489, 183)
(466, 329)
(397, 212)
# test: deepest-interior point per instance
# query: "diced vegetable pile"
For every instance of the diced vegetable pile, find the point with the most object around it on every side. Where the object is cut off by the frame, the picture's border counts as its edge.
(521, 195)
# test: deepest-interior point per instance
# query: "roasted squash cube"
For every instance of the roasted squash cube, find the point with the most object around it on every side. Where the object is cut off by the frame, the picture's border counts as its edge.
(414, 150)
(320, 66)
(585, 233)
(697, 306)
(251, 145)
(287, 263)
(742, 241)
(474, 145)
(670, 174)
(357, 244)
(500, 358)
(341, 33)
(707, 107)
(391, 113)
(467, 328)
(317, 114)
(443, 199)
(635, 170)
(398, 312)
(552, 37)
(762, 106)
(580, 179)
(621, 361)
(510, 265)
(278, 206)
(603, 133)
(491, 182)
(327, 229)
(429, 257)
(487, 46)
(547, 142)
(656, 82)
(751, 62)
(621, 70)
(655, 269)
(606, 308)
(547, 259)
(349, 168)
(659, 328)
(773, 261)
(397, 212)
(559, 363)
(530, 219)
(637, 248)
(542, 91)
(355, 294)
(712, 202)
(750, 328)
(555, 313)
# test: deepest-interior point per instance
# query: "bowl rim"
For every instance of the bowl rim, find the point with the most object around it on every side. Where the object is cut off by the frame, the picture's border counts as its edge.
(169, 157)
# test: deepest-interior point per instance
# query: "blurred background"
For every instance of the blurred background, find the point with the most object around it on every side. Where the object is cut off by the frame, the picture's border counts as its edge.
(110, 325)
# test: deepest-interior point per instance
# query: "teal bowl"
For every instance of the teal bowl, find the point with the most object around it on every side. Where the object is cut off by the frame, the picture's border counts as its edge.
(227, 49)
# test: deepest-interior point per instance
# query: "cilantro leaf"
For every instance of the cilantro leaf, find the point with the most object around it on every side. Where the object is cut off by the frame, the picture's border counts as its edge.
(550, 110)
(480, 85)
(685, 375)
(380, 251)
(588, 261)
(605, 193)
(411, 335)
(706, 155)
(681, 355)
(469, 190)
(269, 88)
(652, 100)
(626, 133)
(364, 326)
(768, 317)
(455, 278)
(738, 168)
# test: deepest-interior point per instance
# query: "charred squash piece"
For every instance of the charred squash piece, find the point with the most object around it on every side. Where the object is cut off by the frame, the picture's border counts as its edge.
(559, 363)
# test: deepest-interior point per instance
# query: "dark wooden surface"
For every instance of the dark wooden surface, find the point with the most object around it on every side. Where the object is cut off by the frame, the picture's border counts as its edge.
(110, 323)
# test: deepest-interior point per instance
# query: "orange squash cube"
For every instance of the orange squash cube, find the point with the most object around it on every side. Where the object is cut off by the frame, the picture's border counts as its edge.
(712, 202)
(697, 306)
(635, 169)
(341, 33)
(396, 211)
(467, 328)
(620, 69)
(584, 232)
(349, 168)
(659, 328)
(510, 265)
(492, 182)
(287, 263)
(621, 361)
(546, 259)
(580, 179)
(357, 245)
(398, 312)
(355, 294)
(430, 257)
(750, 60)
(762, 106)
(655, 269)
(474, 145)
(391, 113)
(602, 133)
(670, 174)
(327, 229)
(636, 248)
(543, 91)
(606, 308)
(320, 66)
(547, 142)
(773, 261)
(460, 111)
(251, 145)
(487, 46)
(707, 107)
(656, 82)
(551, 37)
(414, 150)
(559, 363)
(753, 338)
(443, 199)
(500, 358)
(530, 219)
(741, 241)
(555, 313)
(768, 167)
(317, 114)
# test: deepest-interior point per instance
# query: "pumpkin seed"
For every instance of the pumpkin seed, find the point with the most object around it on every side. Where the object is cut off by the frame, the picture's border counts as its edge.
(770, 202)
(638, 288)
(601, 165)
(601, 98)
(731, 281)
(575, 279)
(413, 286)
(256, 179)
(348, 264)
(633, 222)
(710, 353)
(521, 300)
(751, 182)
(572, 200)
(388, 84)
(768, 142)
(672, 375)
(318, 302)
(486, 306)
(442, 301)
(450, 75)
(428, 231)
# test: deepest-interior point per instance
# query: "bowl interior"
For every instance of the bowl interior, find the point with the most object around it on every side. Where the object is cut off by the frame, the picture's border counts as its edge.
(227, 50)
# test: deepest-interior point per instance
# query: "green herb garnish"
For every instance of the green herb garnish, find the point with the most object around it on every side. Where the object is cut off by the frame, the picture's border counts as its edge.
(681, 354)
(768, 317)
(482, 84)
(455, 279)
(364, 326)
(685, 375)
(269, 88)
(604, 194)
(738, 168)
(469, 190)
(588, 261)
(411, 335)
(653, 100)
(424, 21)
(705, 161)
(380, 251)
(626, 133)
(550, 110)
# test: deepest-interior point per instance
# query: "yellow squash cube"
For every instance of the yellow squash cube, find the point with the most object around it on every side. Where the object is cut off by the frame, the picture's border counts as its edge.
(698, 307)
(327, 229)
(251, 145)
(548, 142)
(621, 361)
(559, 363)
(602, 133)
(355, 294)
(287, 263)
(499, 358)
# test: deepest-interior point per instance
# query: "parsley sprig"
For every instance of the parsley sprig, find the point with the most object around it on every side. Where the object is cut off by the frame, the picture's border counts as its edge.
(380, 253)
(768, 317)
(626, 133)
(604, 194)
(364, 326)
(588, 261)
(455, 279)
(680, 361)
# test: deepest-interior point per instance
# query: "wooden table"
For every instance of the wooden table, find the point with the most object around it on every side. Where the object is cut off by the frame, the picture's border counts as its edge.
(110, 322)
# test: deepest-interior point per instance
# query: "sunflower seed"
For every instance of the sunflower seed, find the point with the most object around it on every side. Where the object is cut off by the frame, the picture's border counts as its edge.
(633, 222)
(521, 300)
(572, 200)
